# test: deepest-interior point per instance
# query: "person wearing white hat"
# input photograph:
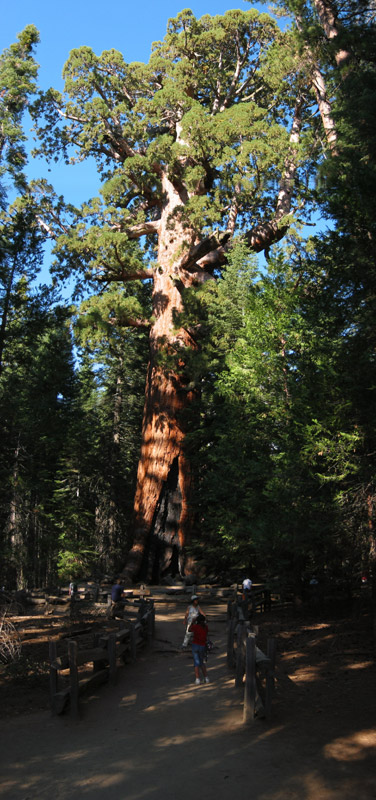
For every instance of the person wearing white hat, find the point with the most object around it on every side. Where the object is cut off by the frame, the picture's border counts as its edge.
(191, 614)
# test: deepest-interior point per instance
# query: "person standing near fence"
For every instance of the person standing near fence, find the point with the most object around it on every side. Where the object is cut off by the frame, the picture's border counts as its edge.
(200, 631)
(117, 594)
(247, 588)
(191, 613)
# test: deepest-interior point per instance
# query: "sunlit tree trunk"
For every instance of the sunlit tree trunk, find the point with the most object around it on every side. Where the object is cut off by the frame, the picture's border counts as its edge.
(162, 517)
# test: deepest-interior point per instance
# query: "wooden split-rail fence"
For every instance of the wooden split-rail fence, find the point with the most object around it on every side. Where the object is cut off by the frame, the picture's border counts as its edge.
(103, 656)
(254, 669)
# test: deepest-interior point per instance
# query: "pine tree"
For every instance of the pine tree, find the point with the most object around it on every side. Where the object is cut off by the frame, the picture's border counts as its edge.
(18, 72)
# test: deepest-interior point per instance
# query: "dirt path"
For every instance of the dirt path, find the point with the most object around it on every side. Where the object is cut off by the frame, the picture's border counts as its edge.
(157, 736)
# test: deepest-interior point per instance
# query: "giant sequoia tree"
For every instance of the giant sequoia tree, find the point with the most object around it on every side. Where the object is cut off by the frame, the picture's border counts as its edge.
(203, 141)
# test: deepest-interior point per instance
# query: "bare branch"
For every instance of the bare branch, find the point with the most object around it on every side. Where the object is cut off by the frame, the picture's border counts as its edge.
(239, 66)
(48, 229)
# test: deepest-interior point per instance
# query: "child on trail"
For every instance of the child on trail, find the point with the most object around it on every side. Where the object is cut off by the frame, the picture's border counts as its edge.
(191, 613)
(200, 631)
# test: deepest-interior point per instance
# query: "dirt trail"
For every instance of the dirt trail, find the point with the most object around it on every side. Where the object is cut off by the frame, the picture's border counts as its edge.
(157, 736)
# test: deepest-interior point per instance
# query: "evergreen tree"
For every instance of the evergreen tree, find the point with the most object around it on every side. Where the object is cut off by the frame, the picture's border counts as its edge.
(18, 72)
(35, 389)
(96, 480)
(203, 139)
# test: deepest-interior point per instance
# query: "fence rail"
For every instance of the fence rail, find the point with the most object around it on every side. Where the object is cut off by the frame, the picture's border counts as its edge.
(107, 649)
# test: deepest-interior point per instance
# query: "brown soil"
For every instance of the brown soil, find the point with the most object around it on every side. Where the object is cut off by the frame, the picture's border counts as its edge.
(156, 736)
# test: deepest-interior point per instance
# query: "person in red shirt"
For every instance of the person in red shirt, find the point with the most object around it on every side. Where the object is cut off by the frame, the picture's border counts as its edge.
(199, 629)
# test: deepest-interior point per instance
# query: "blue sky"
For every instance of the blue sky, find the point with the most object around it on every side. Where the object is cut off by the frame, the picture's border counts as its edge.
(125, 25)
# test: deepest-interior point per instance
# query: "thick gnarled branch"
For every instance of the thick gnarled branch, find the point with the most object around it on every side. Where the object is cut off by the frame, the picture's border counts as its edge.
(122, 276)
(143, 229)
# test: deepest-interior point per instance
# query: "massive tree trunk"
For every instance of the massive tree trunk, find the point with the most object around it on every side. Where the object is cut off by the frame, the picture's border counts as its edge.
(162, 519)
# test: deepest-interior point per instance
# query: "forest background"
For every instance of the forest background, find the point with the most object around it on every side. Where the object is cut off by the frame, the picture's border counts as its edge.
(260, 129)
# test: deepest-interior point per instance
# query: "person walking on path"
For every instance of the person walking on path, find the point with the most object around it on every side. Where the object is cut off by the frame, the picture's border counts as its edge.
(200, 630)
(191, 613)
(117, 595)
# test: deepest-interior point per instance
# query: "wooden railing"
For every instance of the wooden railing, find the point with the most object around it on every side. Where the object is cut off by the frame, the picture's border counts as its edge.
(259, 599)
(103, 655)
(254, 669)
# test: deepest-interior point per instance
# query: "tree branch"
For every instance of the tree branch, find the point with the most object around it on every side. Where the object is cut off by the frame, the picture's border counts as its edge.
(200, 254)
(132, 322)
(122, 276)
(143, 229)
(267, 233)
(239, 66)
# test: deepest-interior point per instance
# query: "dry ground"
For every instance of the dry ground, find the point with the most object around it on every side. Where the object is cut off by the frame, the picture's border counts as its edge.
(156, 736)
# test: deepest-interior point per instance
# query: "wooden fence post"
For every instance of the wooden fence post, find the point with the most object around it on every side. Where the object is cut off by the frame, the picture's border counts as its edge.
(53, 673)
(250, 679)
(269, 684)
(240, 655)
(97, 665)
(73, 676)
(111, 649)
(109, 604)
(133, 641)
(230, 641)
(150, 623)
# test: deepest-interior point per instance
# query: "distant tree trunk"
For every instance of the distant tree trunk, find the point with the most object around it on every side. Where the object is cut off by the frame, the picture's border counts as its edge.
(112, 523)
(372, 560)
(331, 27)
(318, 84)
(6, 307)
(325, 108)
(14, 527)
